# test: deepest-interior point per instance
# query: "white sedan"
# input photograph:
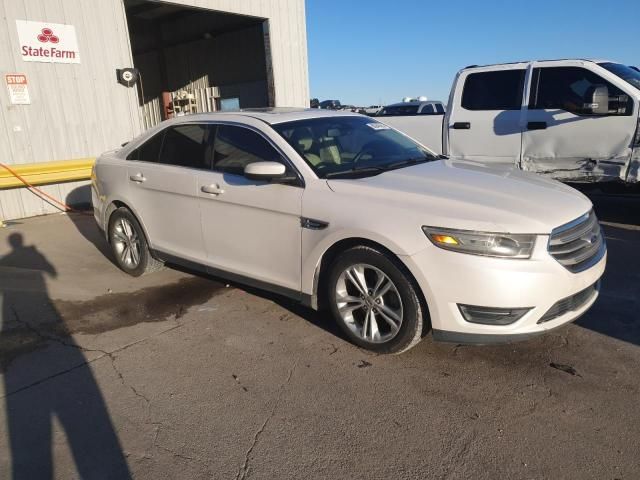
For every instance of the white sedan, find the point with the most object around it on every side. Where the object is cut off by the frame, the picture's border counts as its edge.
(340, 211)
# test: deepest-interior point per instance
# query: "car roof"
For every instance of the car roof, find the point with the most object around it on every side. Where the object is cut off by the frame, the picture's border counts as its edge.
(271, 116)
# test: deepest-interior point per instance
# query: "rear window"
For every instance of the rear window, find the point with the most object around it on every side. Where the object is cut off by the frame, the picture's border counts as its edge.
(149, 151)
(188, 146)
(501, 90)
(400, 110)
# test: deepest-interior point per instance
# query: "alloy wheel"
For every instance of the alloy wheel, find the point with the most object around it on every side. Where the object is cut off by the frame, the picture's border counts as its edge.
(126, 243)
(369, 303)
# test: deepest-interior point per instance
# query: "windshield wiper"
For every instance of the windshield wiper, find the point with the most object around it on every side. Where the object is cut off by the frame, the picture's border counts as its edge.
(408, 162)
(356, 171)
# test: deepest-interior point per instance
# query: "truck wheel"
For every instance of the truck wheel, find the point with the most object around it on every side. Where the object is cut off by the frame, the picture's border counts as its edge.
(129, 244)
(373, 299)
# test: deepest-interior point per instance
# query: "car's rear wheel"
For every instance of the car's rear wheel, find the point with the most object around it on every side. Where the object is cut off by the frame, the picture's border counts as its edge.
(129, 244)
(373, 299)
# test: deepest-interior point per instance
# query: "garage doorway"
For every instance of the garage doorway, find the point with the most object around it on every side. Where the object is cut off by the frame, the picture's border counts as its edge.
(195, 60)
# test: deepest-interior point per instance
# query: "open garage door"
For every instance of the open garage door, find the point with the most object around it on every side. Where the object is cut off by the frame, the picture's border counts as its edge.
(194, 60)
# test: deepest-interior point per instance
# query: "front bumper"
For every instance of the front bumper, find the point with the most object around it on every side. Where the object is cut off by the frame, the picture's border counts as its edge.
(448, 279)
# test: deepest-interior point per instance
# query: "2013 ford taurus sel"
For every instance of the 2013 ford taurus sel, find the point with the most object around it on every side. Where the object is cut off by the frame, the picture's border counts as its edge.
(339, 210)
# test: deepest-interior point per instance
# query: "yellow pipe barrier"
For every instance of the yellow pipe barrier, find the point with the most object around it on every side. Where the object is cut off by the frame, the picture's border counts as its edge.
(47, 172)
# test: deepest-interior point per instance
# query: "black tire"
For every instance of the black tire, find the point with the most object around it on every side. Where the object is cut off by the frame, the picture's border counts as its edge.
(146, 263)
(412, 324)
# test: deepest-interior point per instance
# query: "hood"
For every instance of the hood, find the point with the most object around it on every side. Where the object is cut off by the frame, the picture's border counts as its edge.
(466, 195)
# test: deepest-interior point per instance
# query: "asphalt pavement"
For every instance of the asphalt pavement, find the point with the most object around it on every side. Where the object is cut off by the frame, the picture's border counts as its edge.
(175, 375)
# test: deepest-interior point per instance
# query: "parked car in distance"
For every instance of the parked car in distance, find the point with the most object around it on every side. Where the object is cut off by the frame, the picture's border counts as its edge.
(416, 107)
(330, 105)
(338, 210)
(571, 120)
(372, 110)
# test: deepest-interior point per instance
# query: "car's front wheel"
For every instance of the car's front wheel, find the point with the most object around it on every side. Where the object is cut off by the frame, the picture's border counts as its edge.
(373, 299)
(129, 244)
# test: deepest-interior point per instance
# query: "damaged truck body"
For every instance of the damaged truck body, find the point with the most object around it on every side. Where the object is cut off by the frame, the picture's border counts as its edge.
(571, 120)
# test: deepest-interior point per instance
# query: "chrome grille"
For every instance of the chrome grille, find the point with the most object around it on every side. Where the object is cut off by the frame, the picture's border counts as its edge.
(578, 245)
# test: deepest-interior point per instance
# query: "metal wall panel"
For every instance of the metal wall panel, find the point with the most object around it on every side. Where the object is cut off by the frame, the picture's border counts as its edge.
(79, 110)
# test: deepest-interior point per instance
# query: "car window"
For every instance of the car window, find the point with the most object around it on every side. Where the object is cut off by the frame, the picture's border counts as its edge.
(188, 145)
(236, 147)
(569, 88)
(399, 110)
(500, 90)
(439, 108)
(427, 109)
(149, 151)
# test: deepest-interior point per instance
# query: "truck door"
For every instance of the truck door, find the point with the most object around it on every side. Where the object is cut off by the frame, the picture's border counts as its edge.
(484, 122)
(570, 134)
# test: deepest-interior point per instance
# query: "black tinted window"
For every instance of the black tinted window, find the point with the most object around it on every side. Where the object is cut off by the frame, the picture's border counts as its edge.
(439, 108)
(188, 146)
(500, 90)
(400, 110)
(427, 109)
(236, 147)
(631, 75)
(570, 88)
(148, 151)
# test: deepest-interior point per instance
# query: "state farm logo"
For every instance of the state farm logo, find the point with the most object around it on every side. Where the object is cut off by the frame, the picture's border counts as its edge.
(47, 42)
(47, 36)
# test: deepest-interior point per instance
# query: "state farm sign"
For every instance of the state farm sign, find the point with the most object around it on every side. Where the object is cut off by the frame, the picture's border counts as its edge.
(47, 42)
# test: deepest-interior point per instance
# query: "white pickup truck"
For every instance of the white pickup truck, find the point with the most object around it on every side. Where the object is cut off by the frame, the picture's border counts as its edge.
(572, 120)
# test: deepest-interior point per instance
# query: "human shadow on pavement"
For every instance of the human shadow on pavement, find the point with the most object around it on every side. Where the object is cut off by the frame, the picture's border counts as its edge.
(71, 395)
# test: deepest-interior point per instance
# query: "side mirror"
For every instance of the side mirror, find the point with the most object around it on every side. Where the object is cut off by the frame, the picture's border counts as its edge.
(597, 97)
(264, 171)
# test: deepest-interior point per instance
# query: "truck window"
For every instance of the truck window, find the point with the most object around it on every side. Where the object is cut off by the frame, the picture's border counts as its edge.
(567, 88)
(631, 75)
(427, 109)
(501, 90)
(399, 110)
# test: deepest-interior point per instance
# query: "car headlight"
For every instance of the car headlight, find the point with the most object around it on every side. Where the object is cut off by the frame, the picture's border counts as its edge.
(503, 245)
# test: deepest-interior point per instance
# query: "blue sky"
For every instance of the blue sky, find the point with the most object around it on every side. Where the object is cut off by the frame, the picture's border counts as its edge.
(363, 52)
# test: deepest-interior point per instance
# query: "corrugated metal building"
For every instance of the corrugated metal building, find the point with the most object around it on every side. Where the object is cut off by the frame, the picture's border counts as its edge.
(192, 56)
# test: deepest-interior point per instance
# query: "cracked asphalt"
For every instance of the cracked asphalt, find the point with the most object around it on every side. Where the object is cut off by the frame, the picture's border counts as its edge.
(174, 375)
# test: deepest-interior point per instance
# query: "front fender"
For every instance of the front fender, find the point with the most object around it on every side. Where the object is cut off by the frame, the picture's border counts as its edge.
(315, 245)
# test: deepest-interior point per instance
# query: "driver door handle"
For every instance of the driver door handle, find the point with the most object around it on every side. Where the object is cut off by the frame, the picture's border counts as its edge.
(212, 189)
(138, 178)
(461, 125)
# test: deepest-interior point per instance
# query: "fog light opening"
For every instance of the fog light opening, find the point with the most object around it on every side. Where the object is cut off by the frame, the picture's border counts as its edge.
(492, 315)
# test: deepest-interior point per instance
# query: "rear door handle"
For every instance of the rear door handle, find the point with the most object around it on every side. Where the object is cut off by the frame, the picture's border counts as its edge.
(461, 125)
(212, 189)
(536, 126)
(138, 178)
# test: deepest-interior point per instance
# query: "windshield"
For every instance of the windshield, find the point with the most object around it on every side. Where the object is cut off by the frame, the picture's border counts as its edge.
(351, 147)
(628, 74)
